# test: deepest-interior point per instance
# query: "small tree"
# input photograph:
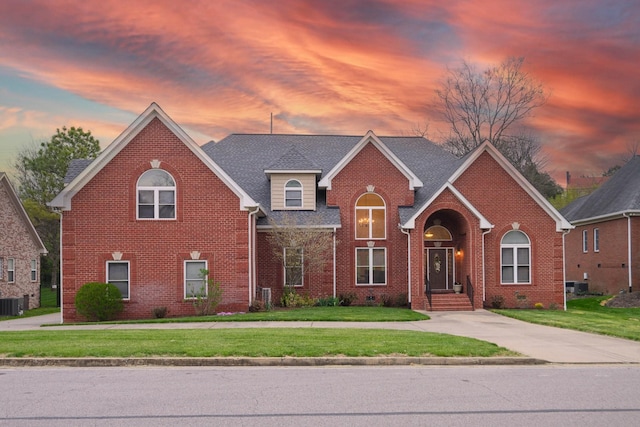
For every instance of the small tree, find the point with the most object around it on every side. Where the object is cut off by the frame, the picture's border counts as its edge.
(99, 301)
(206, 300)
(301, 244)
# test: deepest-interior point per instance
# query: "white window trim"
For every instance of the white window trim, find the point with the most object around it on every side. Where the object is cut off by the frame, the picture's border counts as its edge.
(370, 209)
(301, 189)
(11, 270)
(371, 266)
(156, 199)
(284, 278)
(585, 241)
(128, 276)
(514, 247)
(596, 240)
(184, 276)
(34, 270)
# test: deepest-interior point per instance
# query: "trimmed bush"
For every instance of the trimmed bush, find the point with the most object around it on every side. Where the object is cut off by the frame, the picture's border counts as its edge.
(99, 301)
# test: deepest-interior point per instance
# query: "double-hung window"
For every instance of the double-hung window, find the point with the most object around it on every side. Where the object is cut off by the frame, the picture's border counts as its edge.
(515, 258)
(293, 267)
(11, 270)
(34, 270)
(596, 240)
(585, 241)
(156, 195)
(293, 194)
(195, 278)
(118, 275)
(371, 266)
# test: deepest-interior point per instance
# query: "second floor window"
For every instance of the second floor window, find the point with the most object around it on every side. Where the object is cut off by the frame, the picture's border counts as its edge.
(370, 217)
(156, 195)
(293, 194)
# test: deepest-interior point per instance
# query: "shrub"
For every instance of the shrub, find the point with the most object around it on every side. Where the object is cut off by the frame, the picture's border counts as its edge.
(159, 312)
(497, 301)
(347, 299)
(205, 303)
(329, 302)
(386, 300)
(292, 299)
(538, 305)
(99, 301)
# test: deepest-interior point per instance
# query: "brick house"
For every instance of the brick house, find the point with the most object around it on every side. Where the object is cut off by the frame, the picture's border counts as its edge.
(20, 249)
(408, 220)
(604, 249)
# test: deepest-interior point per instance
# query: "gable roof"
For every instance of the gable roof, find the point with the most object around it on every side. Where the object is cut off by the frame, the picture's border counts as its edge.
(22, 213)
(370, 137)
(619, 195)
(487, 147)
(293, 161)
(63, 200)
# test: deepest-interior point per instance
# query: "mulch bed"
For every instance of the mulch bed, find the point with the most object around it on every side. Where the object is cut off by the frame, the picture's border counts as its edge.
(626, 300)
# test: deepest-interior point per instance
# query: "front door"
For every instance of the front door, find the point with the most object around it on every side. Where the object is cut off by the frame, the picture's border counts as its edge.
(440, 268)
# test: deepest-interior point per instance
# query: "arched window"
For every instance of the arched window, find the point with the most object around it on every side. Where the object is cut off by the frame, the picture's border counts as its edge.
(370, 217)
(437, 233)
(293, 194)
(515, 257)
(156, 195)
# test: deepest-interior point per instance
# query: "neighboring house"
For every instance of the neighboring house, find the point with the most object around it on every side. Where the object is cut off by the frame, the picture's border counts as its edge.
(604, 249)
(408, 220)
(20, 249)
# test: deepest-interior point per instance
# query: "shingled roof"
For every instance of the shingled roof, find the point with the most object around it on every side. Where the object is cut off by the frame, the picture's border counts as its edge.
(620, 194)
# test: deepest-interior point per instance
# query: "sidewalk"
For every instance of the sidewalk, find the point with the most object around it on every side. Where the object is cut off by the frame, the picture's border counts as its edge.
(545, 343)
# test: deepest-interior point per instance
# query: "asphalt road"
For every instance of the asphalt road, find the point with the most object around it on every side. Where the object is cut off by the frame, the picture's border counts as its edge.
(556, 395)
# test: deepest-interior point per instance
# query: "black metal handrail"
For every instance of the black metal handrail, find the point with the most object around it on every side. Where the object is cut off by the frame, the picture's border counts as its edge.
(470, 292)
(427, 291)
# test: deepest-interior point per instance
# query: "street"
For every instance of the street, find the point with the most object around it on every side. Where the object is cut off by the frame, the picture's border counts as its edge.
(566, 395)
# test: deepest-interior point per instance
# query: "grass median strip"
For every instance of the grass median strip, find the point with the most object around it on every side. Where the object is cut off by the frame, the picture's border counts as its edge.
(298, 342)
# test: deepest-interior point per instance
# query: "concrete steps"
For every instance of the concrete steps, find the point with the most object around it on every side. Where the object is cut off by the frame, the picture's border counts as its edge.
(449, 302)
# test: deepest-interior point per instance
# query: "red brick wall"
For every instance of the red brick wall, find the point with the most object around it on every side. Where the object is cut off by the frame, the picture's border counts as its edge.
(503, 202)
(370, 167)
(607, 270)
(102, 220)
(16, 242)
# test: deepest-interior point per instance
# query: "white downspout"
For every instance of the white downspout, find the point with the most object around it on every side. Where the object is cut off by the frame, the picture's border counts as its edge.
(61, 275)
(408, 264)
(334, 263)
(252, 253)
(629, 248)
(484, 285)
(564, 269)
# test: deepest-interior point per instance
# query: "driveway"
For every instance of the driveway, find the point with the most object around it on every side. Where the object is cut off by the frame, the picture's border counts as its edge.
(554, 345)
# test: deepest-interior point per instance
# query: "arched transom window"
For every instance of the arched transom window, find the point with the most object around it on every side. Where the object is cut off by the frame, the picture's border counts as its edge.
(515, 257)
(370, 217)
(293, 194)
(156, 195)
(437, 233)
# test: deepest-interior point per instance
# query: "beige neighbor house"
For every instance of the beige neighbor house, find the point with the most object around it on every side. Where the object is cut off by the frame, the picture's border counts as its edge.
(20, 249)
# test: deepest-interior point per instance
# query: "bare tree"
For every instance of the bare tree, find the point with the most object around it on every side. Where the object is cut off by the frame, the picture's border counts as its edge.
(483, 105)
(300, 244)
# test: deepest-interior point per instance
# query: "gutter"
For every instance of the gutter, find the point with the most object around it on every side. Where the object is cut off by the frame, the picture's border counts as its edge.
(334, 262)
(628, 216)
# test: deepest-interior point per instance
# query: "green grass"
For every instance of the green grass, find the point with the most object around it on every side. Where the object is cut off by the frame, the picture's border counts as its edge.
(309, 314)
(48, 297)
(586, 314)
(295, 342)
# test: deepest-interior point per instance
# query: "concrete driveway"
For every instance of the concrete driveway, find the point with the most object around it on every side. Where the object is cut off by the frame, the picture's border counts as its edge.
(554, 345)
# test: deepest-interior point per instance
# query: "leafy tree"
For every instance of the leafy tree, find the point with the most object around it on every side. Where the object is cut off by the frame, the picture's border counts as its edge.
(40, 174)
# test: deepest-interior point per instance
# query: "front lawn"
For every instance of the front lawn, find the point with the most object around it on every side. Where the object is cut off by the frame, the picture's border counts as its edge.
(588, 315)
(259, 342)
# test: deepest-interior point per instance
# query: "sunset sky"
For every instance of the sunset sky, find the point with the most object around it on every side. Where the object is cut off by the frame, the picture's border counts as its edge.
(321, 67)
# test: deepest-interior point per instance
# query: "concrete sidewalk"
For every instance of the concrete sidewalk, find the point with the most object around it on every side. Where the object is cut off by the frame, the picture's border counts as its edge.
(545, 343)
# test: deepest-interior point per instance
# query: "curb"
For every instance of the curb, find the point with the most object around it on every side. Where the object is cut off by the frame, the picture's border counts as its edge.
(92, 362)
